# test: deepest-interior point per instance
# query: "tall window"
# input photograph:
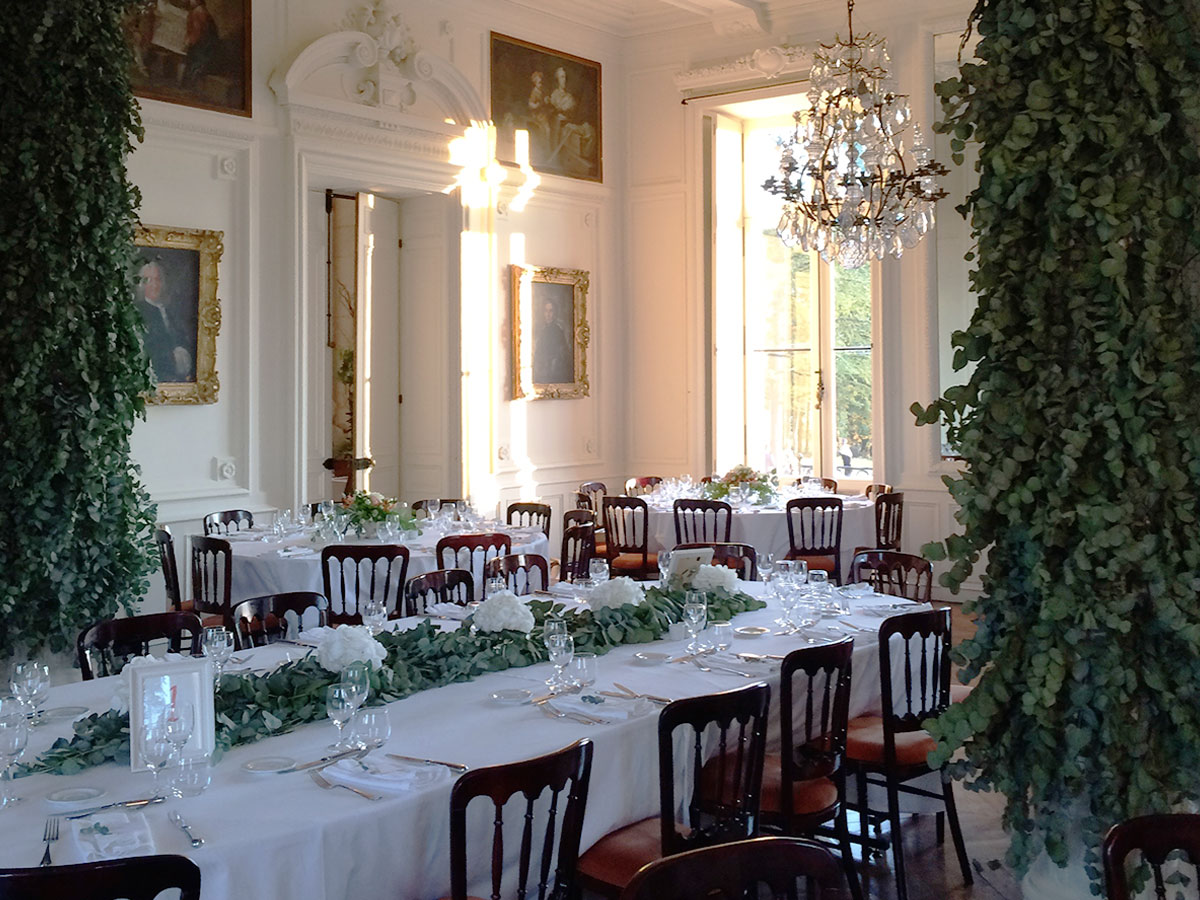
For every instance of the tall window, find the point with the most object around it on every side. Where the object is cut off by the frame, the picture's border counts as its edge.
(792, 334)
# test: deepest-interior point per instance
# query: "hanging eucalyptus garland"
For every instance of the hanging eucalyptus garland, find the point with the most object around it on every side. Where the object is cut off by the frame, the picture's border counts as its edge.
(1080, 426)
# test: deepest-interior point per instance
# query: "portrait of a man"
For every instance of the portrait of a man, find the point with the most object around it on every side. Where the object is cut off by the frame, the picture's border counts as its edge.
(167, 284)
(550, 333)
(553, 352)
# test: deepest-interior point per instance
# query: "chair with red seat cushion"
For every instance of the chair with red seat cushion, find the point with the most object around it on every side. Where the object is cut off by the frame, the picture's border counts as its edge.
(702, 521)
(439, 586)
(523, 573)
(133, 878)
(721, 807)
(815, 533)
(895, 574)
(892, 749)
(472, 552)
(564, 773)
(625, 521)
(355, 573)
(742, 869)
(212, 580)
(114, 641)
(743, 558)
(1153, 838)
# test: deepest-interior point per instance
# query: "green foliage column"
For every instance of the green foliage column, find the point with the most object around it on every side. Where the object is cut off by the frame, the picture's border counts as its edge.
(1081, 424)
(75, 525)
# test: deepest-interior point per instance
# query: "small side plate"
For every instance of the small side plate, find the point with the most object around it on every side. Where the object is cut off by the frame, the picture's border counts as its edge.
(651, 658)
(511, 695)
(63, 712)
(751, 631)
(73, 796)
(268, 765)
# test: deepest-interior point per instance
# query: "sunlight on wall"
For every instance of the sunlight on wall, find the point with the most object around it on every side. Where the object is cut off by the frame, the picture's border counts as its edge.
(519, 409)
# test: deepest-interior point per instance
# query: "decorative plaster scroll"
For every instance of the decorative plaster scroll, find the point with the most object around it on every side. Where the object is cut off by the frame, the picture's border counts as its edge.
(380, 19)
(765, 63)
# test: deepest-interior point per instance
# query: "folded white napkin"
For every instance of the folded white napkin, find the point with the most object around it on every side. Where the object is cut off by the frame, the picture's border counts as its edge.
(244, 536)
(448, 611)
(386, 776)
(857, 589)
(564, 589)
(610, 709)
(885, 610)
(296, 551)
(109, 836)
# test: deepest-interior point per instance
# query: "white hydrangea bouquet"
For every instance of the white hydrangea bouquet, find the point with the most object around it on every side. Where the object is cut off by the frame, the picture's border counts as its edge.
(615, 593)
(715, 578)
(338, 647)
(503, 611)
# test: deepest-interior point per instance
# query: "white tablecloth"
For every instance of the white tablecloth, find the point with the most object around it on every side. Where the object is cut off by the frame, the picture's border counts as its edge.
(258, 568)
(765, 529)
(280, 836)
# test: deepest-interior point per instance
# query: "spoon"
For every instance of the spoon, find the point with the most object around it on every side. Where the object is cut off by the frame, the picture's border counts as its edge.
(177, 820)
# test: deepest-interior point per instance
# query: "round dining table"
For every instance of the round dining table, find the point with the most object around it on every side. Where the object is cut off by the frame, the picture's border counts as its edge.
(282, 837)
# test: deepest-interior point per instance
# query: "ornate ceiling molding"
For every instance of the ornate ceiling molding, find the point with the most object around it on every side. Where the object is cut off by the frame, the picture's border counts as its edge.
(782, 62)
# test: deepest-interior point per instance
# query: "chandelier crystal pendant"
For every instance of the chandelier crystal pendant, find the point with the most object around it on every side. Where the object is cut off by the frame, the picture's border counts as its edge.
(851, 188)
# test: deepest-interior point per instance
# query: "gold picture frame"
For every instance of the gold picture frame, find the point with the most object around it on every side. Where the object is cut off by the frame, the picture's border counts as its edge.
(177, 297)
(550, 333)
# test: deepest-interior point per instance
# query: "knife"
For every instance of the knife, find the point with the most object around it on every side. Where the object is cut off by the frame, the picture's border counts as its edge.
(120, 804)
(458, 767)
(358, 752)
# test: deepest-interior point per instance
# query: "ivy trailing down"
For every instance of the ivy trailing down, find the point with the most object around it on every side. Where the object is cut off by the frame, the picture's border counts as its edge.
(75, 521)
(252, 707)
(1080, 425)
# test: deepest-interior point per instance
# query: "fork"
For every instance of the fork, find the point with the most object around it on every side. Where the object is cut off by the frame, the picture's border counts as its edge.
(50, 836)
(322, 782)
(559, 714)
(721, 669)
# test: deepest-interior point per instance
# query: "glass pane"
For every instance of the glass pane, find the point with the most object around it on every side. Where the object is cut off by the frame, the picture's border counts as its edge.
(781, 423)
(852, 372)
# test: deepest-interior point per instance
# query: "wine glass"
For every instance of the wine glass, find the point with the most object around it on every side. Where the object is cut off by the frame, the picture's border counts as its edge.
(304, 517)
(433, 508)
(157, 748)
(357, 676)
(374, 613)
(695, 617)
(664, 566)
(30, 683)
(218, 646)
(325, 508)
(372, 728)
(179, 722)
(766, 566)
(282, 523)
(341, 524)
(494, 585)
(339, 707)
(14, 734)
(562, 651)
(551, 628)
(598, 569)
(789, 596)
(460, 507)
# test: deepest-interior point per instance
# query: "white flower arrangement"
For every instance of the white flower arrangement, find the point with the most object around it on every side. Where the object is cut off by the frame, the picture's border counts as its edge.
(120, 697)
(503, 611)
(338, 647)
(715, 578)
(615, 593)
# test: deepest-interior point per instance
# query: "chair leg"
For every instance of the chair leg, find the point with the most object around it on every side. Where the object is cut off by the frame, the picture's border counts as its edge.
(897, 839)
(843, 834)
(955, 829)
(939, 823)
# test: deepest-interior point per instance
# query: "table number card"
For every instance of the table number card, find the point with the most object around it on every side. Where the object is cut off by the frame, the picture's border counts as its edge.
(155, 691)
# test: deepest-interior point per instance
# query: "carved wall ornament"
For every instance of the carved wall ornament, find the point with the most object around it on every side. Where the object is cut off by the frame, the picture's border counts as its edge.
(384, 23)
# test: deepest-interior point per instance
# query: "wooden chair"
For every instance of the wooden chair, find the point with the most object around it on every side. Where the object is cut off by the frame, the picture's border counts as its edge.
(439, 586)
(132, 878)
(472, 552)
(702, 521)
(815, 533)
(530, 515)
(260, 620)
(385, 571)
(423, 505)
(579, 517)
(742, 557)
(871, 491)
(895, 574)
(626, 521)
(829, 484)
(212, 580)
(228, 520)
(116, 640)
(742, 869)
(735, 722)
(593, 492)
(892, 749)
(1153, 838)
(563, 776)
(523, 573)
(578, 548)
(889, 517)
(636, 487)
(170, 565)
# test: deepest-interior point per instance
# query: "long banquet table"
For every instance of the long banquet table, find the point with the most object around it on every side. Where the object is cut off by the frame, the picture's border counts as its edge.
(279, 836)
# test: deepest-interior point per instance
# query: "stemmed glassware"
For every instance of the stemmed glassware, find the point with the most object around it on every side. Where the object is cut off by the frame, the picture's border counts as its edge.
(562, 651)
(218, 646)
(157, 748)
(325, 508)
(339, 706)
(766, 566)
(551, 629)
(664, 566)
(179, 722)
(598, 570)
(30, 683)
(14, 734)
(695, 617)
(341, 524)
(433, 508)
(358, 676)
(374, 613)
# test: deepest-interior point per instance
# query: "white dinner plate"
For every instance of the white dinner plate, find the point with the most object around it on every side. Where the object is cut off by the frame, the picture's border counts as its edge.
(511, 695)
(63, 712)
(268, 765)
(650, 658)
(72, 796)
(751, 631)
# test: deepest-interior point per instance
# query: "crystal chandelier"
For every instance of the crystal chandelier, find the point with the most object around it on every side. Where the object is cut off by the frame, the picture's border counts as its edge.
(851, 189)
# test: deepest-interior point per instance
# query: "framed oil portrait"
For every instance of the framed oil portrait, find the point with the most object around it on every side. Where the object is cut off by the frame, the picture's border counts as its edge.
(550, 333)
(553, 96)
(193, 52)
(177, 297)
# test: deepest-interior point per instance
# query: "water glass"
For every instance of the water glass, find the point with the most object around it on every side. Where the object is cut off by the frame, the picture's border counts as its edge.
(304, 517)
(495, 585)
(562, 651)
(180, 720)
(14, 734)
(722, 635)
(325, 508)
(433, 508)
(357, 677)
(374, 613)
(218, 646)
(30, 684)
(192, 776)
(695, 616)
(341, 524)
(598, 569)
(339, 706)
(372, 728)
(157, 749)
(583, 669)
